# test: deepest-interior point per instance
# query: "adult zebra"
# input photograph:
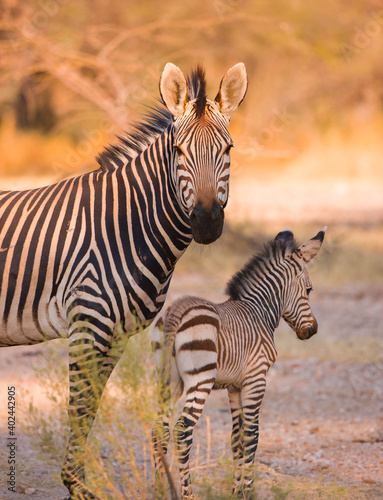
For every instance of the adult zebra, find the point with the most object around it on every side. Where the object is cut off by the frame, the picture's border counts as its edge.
(88, 257)
(202, 346)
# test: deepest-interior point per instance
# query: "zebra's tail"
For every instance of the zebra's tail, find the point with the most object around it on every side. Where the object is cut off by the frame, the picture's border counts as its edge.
(162, 348)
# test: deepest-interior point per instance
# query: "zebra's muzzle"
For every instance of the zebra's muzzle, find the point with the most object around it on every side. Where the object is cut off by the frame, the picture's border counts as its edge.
(309, 331)
(206, 225)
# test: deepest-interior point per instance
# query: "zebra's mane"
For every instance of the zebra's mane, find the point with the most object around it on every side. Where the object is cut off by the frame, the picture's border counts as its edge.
(154, 122)
(142, 134)
(256, 268)
(197, 90)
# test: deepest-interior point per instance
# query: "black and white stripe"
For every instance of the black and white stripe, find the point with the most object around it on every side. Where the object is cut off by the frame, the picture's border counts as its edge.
(90, 257)
(202, 346)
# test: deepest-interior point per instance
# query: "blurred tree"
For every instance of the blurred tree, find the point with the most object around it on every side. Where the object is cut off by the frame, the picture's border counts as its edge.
(103, 60)
(34, 108)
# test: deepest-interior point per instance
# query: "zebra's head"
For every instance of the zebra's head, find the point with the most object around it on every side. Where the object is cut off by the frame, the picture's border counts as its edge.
(297, 311)
(202, 143)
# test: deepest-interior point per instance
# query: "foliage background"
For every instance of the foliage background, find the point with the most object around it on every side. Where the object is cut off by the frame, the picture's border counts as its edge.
(80, 71)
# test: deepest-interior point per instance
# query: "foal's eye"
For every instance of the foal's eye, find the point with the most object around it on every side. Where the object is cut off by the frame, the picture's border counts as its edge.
(227, 150)
(178, 150)
(309, 290)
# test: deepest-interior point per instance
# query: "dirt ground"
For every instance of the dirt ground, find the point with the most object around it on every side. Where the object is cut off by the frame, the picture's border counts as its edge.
(321, 420)
(321, 429)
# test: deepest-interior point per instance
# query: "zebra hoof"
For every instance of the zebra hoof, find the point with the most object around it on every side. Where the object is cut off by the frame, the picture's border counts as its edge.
(85, 496)
(82, 495)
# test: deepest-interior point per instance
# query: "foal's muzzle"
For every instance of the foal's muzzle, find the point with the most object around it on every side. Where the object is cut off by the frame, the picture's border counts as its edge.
(206, 225)
(308, 331)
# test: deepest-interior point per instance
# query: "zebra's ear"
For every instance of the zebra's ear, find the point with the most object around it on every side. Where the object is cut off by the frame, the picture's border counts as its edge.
(232, 89)
(308, 250)
(285, 235)
(174, 89)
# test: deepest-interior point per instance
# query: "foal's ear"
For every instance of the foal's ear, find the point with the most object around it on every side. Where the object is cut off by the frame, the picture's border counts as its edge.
(285, 235)
(174, 89)
(308, 250)
(232, 89)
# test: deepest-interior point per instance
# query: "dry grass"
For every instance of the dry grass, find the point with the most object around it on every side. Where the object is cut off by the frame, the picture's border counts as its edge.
(353, 349)
(119, 456)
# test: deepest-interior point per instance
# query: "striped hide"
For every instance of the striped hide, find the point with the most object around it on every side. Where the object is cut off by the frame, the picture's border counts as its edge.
(200, 346)
(91, 258)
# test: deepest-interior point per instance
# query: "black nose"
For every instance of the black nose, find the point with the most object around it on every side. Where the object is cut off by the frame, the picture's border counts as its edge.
(200, 215)
(309, 331)
(207, 224)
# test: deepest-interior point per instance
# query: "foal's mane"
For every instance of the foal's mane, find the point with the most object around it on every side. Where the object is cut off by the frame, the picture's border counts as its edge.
(257, 267)
(152, 125)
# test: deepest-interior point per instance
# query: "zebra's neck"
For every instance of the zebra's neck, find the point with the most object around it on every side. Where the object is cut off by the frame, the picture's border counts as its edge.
(268, 305)
(149, 181)
(264, 290)
(264, 282)
(153, 227)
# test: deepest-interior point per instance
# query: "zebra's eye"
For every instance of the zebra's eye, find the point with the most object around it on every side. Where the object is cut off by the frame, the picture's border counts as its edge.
(309, 290)
(178, 150)
(227, 150)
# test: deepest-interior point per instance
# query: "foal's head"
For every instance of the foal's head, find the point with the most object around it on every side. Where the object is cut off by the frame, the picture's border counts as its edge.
(297, 311)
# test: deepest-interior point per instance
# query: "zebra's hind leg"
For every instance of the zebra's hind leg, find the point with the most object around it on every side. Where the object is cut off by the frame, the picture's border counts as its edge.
(89, 370)
(160, 442)
(160, 439)
(169, 392)
(183, 430)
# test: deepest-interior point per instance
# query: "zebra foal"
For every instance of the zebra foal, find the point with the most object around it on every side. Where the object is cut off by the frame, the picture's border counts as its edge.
(201, 346)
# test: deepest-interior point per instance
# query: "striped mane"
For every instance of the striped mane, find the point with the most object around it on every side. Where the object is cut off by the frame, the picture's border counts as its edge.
(135, 142)
(256, 268)
(154, 122)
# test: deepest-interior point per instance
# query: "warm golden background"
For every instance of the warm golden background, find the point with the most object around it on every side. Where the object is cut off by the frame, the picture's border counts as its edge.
(308, 153)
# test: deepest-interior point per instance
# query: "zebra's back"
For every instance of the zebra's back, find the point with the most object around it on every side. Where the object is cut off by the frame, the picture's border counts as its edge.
(230, 332)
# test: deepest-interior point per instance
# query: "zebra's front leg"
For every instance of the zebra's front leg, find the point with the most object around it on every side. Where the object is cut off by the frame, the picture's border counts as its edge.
(249, 444)
(89, 370)
(251, 396)
(236, 435)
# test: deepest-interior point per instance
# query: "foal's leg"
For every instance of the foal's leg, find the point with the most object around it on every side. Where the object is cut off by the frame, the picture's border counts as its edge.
(169, 390)
(253, 390)
(168, 396)
(160, 442)
(195, 400)
(196, 360)
(236, 433)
